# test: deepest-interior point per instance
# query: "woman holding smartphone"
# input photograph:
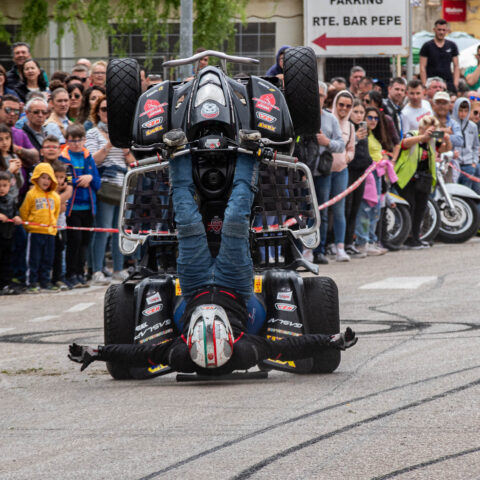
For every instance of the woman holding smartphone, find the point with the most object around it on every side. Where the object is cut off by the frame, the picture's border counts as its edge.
(361, 161)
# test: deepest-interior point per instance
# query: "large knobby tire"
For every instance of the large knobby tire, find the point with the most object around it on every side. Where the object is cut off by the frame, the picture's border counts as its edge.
(398, 224)
(431, 222)
(321, 304)
(123, 89)
(461, 224)
(301, 89)
(119, 324)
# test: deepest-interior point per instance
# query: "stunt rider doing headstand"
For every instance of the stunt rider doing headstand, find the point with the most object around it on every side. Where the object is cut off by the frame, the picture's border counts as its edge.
(214, 339)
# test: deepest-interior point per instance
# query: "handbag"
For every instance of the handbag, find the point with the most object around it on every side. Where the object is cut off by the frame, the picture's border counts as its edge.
(307, 151)
(110, 193)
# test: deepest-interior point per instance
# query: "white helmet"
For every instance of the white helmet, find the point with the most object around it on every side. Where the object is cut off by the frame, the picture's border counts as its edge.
(210, 336)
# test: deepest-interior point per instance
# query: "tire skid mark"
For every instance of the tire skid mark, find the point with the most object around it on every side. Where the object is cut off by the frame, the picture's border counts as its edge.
(427, 463)
(298, 418)
(248, 472)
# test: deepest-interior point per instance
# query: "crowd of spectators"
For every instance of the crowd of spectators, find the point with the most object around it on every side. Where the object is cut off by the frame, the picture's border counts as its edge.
(58, 166)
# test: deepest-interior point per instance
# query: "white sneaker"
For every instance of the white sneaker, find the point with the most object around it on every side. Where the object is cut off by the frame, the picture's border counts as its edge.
(341, 255)
(331, 250)
(98, 278)
(373, 251)
(308, 254)
(382, 249)
(120, 276)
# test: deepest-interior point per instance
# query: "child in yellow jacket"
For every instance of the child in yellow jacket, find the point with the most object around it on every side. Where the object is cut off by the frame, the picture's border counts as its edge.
(41, 205)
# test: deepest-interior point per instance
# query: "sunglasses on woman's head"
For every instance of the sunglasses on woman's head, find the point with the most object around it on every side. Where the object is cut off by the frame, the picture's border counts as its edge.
(473, 97)
(372, 119)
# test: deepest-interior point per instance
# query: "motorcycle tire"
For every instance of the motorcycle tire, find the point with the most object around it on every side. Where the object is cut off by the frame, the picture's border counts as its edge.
(301, 89)
(463, 224)
(431, 222)
(119, 324)
(322, 312)
(123, 89)
(397, 226)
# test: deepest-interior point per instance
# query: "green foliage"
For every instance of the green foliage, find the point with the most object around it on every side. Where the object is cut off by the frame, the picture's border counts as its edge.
(4, 35)
(214, 23)
(36, 22)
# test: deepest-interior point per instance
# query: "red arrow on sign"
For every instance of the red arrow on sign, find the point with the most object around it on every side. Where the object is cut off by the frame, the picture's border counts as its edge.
(323, 41)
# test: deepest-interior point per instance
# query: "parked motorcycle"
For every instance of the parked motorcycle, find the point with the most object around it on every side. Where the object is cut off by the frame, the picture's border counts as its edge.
(453, 209)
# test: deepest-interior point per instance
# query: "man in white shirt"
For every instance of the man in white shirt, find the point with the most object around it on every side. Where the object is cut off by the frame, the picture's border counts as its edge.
(416, 107)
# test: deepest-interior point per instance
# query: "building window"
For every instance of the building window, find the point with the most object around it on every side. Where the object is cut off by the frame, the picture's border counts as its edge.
(256, 40)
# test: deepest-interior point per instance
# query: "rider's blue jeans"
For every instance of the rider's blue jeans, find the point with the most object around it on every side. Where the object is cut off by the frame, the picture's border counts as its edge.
(232, 268)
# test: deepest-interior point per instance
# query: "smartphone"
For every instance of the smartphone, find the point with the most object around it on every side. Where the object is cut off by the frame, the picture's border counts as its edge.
(438, 134)
(362, 125)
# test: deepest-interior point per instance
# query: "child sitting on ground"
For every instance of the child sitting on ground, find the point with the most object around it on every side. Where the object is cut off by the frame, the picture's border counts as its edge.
(41, 205)
(8, 211)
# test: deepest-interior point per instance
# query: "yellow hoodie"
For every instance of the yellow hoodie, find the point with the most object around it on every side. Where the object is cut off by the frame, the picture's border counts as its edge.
(41, 206)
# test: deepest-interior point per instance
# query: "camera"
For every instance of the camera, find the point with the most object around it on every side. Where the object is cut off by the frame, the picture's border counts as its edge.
(438, 135)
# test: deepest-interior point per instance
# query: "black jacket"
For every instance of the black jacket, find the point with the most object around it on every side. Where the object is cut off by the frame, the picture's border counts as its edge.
(362, 159)
(9, 208)
(395, 112)
(31, 136)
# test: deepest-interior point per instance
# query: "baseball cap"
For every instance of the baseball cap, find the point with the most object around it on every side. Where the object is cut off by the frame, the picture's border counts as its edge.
(441, 96)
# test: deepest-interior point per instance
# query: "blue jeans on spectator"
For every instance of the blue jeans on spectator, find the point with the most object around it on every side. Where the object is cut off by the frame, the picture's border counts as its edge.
(40, 258)
(232, 268)
(367, 218)
(463, 180)
(107, 217)
(327, 187)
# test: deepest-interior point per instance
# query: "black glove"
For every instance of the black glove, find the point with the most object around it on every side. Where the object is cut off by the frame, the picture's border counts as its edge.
(342, 341)
(83, 355)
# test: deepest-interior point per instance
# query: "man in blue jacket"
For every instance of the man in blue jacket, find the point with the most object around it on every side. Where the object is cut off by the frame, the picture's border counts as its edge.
(83, 175)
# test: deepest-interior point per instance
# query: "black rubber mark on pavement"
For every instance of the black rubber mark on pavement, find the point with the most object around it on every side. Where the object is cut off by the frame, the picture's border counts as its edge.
(37, 337)
(418, 466)
(298, 418)
(248, 472)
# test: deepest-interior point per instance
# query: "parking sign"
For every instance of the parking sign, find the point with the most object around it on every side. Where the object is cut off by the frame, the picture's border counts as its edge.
(357, 27)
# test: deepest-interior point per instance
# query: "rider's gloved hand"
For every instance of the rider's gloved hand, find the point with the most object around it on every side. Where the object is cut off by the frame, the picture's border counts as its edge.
(342, 341)
(83, 355)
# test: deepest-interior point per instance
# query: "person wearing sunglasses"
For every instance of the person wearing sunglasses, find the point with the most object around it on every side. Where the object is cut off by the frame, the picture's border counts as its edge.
(37, 112)
(369, 212)
(22, 147)
(75, 93)
(337, 181)
(329, 141)
(83, 73)
(112, 164)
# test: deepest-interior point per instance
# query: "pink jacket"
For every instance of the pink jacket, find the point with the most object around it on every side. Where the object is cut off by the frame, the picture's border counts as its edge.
(370, 195)
(341, 160)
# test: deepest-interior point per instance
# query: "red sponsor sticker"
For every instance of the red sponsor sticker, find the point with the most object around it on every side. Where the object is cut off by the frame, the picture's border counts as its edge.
(215, 225)
(153, 108)
(266, 102)
(152, 123)
(285, 307)
(150, 311)
(266, 117)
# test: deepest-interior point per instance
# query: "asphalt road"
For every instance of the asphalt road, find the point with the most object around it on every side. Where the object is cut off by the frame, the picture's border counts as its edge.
(403, 403)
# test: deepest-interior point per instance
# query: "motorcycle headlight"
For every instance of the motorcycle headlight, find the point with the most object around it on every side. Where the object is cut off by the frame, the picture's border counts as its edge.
(210, 91)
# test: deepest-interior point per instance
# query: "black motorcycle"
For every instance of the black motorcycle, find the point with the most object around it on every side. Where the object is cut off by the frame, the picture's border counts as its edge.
(215, 110)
